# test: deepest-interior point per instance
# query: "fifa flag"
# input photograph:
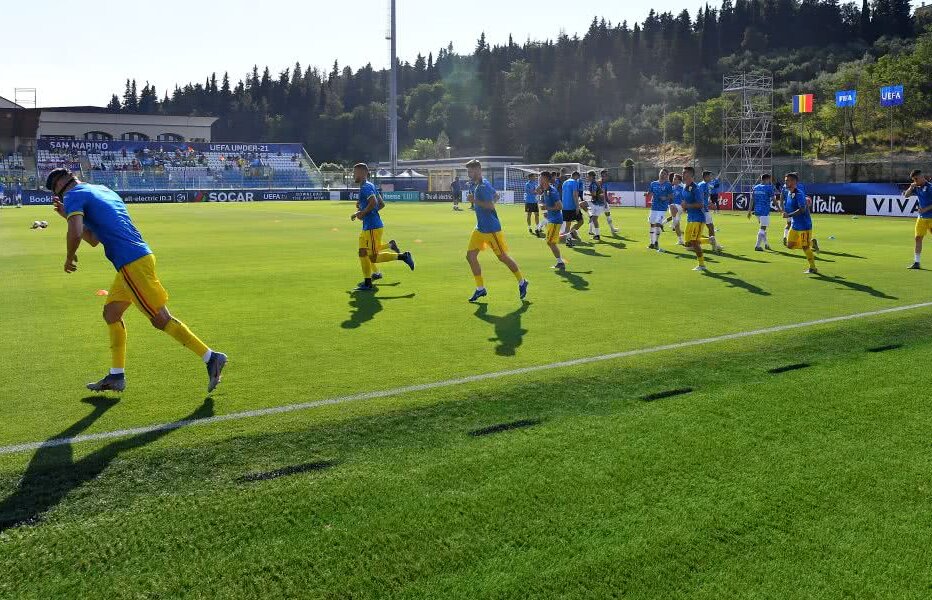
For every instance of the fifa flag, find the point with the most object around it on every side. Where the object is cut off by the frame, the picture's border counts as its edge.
(846, 98)
(803, 104)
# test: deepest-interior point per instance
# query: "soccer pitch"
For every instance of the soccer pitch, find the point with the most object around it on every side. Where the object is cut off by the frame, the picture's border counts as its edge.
(564, 481)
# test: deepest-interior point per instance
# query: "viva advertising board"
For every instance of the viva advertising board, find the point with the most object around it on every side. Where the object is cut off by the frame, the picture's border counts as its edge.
(892, 206)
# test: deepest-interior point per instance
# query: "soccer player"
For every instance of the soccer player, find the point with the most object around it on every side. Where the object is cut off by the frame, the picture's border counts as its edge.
(570, 211)
(714, 187)
(661, 193)
(531, 207)
(922, 189)
(457, 190)
(371, 249)
(18, 194)
(603, 181)
(761, 198)
(597, 205)
(789, 222)
(676, 206)
(2, 195)
(553, 208)
(694, 203)
(796, 209)
(488, 232)
(705, 189)
(97, 215)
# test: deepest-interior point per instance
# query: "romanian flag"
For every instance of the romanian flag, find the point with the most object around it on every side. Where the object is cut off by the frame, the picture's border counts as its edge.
(803, 104)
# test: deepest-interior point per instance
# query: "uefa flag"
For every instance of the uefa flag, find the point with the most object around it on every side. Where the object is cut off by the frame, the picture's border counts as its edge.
(803, 104)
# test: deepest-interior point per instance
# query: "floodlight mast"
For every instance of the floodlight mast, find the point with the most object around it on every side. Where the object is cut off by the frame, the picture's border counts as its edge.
(393, 90)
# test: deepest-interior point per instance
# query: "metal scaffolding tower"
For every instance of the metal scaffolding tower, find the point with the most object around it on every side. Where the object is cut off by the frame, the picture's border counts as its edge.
(747, 141)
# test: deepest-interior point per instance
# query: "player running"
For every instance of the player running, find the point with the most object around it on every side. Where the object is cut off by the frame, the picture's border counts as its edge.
(97, 215)
(676, 206)
(597, 205)
(488, 232)
(661, 194)
(705, 190)
(553, 207)
(371, 249)
(694, 203)
(761, 199)
(796, 209)
(603, 183)
(922, 189)
(531, 206)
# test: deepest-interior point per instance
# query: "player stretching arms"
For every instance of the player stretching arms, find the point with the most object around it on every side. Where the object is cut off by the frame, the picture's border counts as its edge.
(705, 190)
(603, 181)
(488, 232)
(694, 204)
(371, 249)
(676, 206)
(661, 192)
(796, 209)
(97, 215)
(531, 207)
(597, 205)
(761, 198)
(922, 188)
(550, 199)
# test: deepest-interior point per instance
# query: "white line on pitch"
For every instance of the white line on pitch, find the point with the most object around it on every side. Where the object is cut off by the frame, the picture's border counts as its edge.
(275, 410)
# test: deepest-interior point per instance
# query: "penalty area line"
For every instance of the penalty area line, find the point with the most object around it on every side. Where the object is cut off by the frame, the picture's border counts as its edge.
(399, 391)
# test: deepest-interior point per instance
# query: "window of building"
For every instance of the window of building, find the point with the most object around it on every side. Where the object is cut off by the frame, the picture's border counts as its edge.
(170, 137)
(98, 136)
(134, 136)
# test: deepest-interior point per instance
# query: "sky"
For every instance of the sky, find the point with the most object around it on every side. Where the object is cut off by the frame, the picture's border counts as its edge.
(84, 57)
(81, 56)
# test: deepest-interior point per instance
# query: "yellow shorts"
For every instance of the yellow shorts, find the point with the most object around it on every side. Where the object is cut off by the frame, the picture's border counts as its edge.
(480, 241)
(923, 227)
(694, 232)
(553, 233)
(371, 240)
(799, 239)
(137, 283)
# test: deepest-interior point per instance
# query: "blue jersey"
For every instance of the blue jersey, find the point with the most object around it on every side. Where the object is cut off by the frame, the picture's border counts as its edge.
(580, 189)
(763, 196)
(106, 217)
(595, 190)
(661, 195)
(551, 197)
(692, 195)
(924, 194)
(569, 194)
(371, 220)
(714, 186)
(702, 189)
(530, 193)
(679, 194)
(486, 218)
(795, 201)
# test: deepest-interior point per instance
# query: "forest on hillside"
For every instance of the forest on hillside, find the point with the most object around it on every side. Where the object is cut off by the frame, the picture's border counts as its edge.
(590, 97)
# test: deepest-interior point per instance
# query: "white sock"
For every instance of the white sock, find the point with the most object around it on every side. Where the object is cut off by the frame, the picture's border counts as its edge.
(121, 371)
(560, 261)
(596, 230)
(917, 256)
(786, 232)
(609, 219)
(712, 241)
(207, 355)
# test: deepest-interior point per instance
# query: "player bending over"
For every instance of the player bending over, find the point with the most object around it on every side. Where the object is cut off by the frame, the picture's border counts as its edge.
(796, 209)
(694, 204)
(488, 232)
(97, 215)
(922, 189)
(761, 199)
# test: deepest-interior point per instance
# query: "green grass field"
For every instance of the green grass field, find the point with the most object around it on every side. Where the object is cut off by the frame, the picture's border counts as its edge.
(811, 483)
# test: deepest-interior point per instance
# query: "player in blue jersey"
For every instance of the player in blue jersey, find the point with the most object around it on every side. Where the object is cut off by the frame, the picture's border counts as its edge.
(570, 210)
(97, 215)
(371, 249)
(796, 208)
(488, 232)
(705, 189)
(714, 187)
(553, 214)
(531, 205)
(761, 199)
(781, 194)
(694, 204)
(676, 206)
(603, 183)
(597, 205)
(661, 194)
(922, 189)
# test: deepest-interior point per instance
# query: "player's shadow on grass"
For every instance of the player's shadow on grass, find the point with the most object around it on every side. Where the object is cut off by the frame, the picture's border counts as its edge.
(742, 258)
(801, 255)
(509, 334)
(53, 473)
(576, 279)
(709, 257)
(852, 285)
(842, 255)
(618, 245)
(589, 251)
(366, 305)
(737, 282)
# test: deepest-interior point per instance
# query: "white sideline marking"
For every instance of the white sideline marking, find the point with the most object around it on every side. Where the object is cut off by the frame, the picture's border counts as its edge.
(263, 412)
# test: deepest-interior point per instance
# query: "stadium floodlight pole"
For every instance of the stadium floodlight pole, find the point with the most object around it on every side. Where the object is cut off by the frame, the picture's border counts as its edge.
(393, 91)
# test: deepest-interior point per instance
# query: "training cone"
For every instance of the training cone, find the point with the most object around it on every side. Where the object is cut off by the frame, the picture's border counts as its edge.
(102, 293)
